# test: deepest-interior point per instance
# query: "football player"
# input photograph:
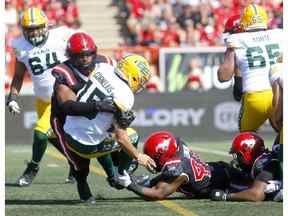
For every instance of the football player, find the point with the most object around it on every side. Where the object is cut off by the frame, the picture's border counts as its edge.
(253, 52)
(250, 155)
(181, 170)
(37, 51)
(91, 109)
(276, 81)
(232, 26)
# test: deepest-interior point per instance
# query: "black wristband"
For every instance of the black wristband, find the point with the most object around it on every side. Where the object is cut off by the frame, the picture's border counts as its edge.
(136, 188)
(12, 96)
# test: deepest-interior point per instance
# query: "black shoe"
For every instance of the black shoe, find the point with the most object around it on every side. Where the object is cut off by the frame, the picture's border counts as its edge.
(70, 179)
(112, 181)
(90, 201)
(132, 167)
(28, 175)
(143, 180)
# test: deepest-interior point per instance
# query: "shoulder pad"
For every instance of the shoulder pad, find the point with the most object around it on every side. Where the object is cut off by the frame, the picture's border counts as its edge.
(64, 75)
(263, 161)
(233, 41)
(172, 168)
(104, 59)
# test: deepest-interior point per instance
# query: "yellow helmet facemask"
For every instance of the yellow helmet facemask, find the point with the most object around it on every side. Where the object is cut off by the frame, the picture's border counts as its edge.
(34, 26)
(135, 70)
(254, 17)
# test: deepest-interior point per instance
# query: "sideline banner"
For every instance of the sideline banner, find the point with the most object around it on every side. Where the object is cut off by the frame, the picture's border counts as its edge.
(206, 116)
(177, 63)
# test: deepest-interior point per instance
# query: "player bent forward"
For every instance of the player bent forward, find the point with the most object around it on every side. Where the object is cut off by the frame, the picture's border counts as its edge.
(99, 133)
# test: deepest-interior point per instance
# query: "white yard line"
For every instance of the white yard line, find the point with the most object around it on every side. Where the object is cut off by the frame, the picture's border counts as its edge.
(210, 151)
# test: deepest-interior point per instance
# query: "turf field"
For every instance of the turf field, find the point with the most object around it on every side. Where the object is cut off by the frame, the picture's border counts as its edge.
(49, 195)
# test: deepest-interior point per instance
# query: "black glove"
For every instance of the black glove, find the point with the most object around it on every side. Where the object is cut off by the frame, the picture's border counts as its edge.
(124, 119)
(237, 88)
(106, 105)
(219, 195)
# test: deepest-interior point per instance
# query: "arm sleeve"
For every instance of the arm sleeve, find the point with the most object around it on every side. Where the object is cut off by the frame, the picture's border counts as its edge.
(268, 172)
(237, 88)
(75, 108)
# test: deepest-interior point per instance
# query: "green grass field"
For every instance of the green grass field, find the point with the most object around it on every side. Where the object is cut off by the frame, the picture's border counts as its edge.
(49, 195)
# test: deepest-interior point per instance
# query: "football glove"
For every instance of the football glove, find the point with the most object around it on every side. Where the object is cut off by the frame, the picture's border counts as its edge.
(13, 105)
(124, 180)
(273, 186)
(124, 119)
(219, 195)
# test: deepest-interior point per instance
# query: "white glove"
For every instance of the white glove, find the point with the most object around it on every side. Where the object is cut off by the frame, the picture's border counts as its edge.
(273, 186)
(13, 107)
(124, 179)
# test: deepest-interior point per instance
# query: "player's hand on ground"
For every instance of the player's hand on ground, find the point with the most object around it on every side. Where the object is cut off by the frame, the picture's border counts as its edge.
(13, 105)
(147, 162)
(219, 195)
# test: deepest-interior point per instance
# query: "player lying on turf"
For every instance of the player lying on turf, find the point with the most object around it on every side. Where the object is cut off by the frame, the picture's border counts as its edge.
(181, 170)
(250, 155)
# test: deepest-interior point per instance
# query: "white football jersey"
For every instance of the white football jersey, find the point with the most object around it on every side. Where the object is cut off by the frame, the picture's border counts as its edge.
(40, 60)
(103, 82)
(255, 53)
(275, 74)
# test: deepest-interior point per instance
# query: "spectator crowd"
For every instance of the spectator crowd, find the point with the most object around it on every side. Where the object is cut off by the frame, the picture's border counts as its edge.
(59, 12)
(174, 23)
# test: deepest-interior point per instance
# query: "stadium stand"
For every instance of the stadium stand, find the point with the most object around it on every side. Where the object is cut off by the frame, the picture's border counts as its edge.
(141, 26)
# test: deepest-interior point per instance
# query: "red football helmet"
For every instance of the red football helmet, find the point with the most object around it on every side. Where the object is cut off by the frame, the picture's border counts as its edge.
(160, 146)
(246, 147)
(232, 25)
(82, 52)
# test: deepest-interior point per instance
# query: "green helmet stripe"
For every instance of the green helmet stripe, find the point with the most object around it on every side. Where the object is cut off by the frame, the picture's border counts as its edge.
(255, 9)
(31, 14)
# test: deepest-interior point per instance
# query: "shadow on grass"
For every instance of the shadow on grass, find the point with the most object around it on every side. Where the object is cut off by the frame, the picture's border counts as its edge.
(99, 200)
(9, 184)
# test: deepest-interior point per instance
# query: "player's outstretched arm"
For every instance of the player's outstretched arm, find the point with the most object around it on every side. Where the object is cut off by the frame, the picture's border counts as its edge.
(226, 70)
(159, 192)
(70, 106)
(254, 194)
(15, 88)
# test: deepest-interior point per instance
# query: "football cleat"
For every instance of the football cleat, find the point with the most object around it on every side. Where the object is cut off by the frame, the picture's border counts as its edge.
(132, 167)
(28, 176)
(90, 201)
(112, 181)
(70, 178)
(143, 180)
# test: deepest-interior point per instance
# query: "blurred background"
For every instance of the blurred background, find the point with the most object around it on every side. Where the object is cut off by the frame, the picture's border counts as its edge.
(183, 40)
